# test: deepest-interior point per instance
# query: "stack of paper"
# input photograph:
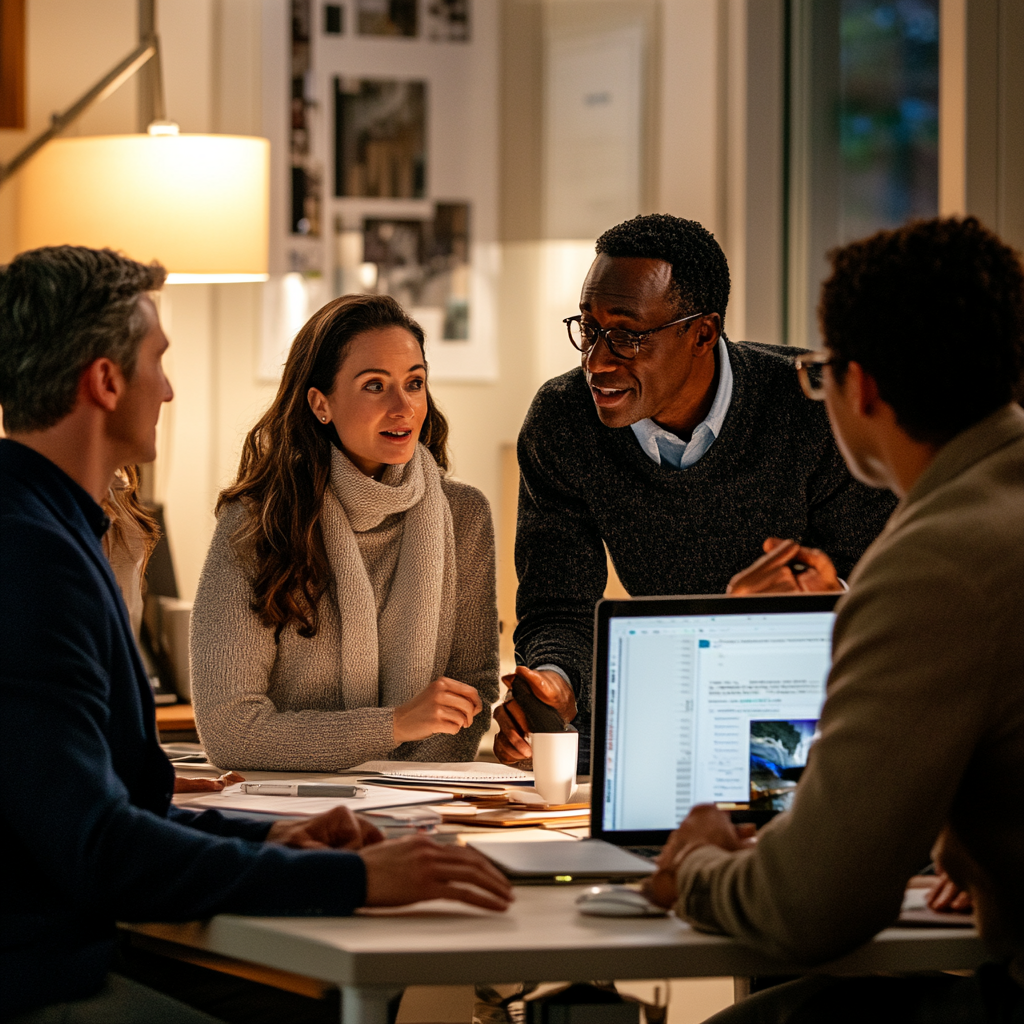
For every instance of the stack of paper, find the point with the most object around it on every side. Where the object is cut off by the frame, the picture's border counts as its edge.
(571, 817)
(473, 773)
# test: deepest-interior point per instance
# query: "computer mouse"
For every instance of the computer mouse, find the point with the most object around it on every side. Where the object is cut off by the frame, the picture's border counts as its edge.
(617, 901)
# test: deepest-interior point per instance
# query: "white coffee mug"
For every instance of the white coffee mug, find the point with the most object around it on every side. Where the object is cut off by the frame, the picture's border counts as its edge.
(554, 764)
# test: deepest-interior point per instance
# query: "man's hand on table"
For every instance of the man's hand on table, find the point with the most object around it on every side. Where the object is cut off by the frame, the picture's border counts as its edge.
(946, 895)
(705, 825)
(511, 745)
(206, 785)
(957, 874)
(400, 871)
(336, 829)
(415, 868)
(773, 572)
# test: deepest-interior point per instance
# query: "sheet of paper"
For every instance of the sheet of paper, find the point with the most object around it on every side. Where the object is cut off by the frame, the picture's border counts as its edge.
(376, 798)
(448, 771)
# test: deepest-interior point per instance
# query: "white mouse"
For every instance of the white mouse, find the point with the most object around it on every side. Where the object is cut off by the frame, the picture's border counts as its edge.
(617, 901)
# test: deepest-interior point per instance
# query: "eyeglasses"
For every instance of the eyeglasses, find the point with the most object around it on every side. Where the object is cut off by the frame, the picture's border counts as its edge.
(814, 391)
(621, 343)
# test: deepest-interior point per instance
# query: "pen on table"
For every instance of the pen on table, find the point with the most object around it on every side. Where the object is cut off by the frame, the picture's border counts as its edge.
(301, 789)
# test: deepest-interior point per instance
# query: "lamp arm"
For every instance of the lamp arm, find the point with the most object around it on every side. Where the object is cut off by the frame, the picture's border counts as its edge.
(159, 110)
(114, 79)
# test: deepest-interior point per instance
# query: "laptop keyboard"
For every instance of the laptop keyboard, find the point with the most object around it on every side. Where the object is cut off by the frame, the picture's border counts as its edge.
(650, 852)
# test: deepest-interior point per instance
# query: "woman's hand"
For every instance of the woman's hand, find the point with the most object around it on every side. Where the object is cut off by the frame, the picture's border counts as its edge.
(206, 785)
(446, 706)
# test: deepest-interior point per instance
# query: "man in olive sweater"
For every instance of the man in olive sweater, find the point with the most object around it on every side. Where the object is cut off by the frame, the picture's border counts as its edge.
(922, 734)
(678, 449)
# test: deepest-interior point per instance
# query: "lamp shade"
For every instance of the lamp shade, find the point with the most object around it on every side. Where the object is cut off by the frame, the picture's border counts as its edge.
(197, 203)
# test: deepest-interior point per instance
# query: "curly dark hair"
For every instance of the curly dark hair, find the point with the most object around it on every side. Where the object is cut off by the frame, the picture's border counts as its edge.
(286, 464)
(61, 308)
(700, 271)
(934, 312)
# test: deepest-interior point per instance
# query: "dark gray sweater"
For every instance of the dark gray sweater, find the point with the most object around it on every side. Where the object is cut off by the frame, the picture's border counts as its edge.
(773, 471)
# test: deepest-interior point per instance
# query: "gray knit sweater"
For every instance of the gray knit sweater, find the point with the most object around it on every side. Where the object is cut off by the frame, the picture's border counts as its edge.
(262, 705)
(773, 471)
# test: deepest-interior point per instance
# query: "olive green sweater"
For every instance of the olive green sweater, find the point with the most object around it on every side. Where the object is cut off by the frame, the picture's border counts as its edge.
(923, 726)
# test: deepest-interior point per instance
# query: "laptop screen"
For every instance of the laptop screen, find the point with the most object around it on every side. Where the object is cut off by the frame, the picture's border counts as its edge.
(706, 706)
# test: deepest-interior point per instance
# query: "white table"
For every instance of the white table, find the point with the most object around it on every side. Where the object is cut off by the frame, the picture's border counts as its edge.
(541, 938)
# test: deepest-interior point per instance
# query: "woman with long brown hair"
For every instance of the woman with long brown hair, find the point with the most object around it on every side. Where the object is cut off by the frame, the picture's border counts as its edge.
(129, 542)
(347, 611)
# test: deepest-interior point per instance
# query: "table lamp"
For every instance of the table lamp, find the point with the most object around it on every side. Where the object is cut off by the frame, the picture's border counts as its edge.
(196, 203)
(199, 204)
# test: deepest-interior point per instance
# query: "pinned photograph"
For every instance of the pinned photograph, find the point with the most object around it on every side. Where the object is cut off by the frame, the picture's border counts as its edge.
(380, 138)
(386, 17)
(424, 264)
(448, 21)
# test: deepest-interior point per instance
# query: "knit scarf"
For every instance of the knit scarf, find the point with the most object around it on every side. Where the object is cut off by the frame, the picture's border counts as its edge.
(387, 661)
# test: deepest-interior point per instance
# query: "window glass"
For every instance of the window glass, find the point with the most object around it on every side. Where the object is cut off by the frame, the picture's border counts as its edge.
(888, 114)
(863, 123)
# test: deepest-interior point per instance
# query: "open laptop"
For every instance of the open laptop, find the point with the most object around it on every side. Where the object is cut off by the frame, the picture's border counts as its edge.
(703, 700)
(695, 700)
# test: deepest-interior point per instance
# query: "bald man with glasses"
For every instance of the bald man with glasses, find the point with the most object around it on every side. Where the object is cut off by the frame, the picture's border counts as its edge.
(683, 453)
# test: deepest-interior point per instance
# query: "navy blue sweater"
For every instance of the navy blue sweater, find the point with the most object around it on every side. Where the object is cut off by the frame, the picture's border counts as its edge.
(87, 827)
(773, 471)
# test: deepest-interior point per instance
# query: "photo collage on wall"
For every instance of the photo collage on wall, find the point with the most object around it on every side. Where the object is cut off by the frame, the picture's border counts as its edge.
(392, 232)
(381, 153)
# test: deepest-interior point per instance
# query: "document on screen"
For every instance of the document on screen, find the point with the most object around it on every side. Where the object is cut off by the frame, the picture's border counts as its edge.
(693, 701)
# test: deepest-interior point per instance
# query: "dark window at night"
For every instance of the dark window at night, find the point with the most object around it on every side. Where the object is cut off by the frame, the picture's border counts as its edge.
(888, 113)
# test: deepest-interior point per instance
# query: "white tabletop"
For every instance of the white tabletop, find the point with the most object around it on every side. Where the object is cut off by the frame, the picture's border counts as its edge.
(541, 938)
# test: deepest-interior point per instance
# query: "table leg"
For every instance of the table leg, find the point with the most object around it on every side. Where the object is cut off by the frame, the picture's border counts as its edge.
(367, 1004)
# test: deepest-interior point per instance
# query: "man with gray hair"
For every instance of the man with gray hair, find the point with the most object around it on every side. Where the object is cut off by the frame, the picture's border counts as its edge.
(90, 831)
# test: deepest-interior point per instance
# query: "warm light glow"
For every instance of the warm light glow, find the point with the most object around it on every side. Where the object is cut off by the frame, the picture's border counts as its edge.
(216, 278)
(199, 204)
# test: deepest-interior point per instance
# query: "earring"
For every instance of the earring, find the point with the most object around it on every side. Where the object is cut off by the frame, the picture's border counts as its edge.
(324, 418)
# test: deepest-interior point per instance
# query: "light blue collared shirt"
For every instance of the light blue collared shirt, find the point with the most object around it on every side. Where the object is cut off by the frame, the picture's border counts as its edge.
(666, 448)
